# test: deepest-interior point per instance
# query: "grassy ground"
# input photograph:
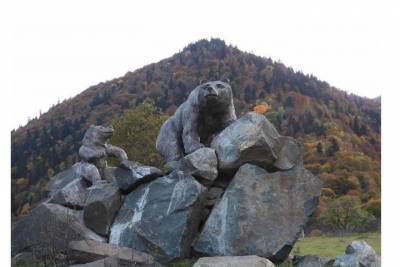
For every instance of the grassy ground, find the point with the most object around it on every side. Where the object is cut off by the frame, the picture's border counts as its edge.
(325, 246)
(331, 246)
(182, 263)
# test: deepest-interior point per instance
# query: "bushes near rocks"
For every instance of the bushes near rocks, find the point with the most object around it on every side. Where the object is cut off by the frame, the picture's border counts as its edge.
(345, 214)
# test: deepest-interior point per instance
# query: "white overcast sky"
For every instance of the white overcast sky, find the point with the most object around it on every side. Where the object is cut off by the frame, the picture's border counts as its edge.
(57, 49)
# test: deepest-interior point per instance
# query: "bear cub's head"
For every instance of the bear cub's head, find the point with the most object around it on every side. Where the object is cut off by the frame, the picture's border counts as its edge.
(217, 94)
(97, 135)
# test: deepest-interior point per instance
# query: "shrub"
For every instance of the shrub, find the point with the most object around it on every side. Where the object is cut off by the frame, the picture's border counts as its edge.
(315, 232)
(340, 185)
(22, 184)
(328, 192)
(373, 206)
(344, 214)
(136, 132)
(354, 193)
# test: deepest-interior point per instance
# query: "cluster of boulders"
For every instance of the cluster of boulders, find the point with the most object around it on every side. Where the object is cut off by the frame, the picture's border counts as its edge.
(231, 187)
(82, 204)
(246, 194)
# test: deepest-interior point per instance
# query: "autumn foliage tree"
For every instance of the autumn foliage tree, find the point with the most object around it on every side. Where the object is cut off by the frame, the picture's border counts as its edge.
(344, 214)
(136, 131)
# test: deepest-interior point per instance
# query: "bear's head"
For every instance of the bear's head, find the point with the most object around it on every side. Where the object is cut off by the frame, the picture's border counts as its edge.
(215, 94)
(97, 135)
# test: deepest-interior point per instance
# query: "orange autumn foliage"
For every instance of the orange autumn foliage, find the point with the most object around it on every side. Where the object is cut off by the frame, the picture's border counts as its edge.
(261, 108)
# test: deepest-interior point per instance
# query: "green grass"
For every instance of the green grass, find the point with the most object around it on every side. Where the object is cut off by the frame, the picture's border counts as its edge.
(284, 264)
(182, 263)
(331, 246)
(325, 246)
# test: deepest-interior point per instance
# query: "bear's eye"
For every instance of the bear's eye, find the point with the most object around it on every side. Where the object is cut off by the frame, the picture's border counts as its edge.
(220, 85)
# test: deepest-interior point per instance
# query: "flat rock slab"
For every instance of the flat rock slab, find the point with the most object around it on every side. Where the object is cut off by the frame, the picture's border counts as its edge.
(260, 213)
(106, 262)
(161, 217)
(253, 139)
(130, 178)
(358, 253)
(288, 152)
(103, 203)
(92, 252)
(235, 261)
(48, 229)
(73, 195)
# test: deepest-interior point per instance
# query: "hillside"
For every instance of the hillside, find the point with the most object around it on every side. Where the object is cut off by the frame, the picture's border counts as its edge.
(340, 132)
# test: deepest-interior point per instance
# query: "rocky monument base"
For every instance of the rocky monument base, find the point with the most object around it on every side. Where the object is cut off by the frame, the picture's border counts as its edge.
(242, 192)
(233, 200)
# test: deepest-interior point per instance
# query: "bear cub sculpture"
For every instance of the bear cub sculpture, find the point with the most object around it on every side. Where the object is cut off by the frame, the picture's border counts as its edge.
(94, 152)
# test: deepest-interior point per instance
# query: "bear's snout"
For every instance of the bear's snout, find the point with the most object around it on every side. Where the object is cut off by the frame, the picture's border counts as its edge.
(211, 91)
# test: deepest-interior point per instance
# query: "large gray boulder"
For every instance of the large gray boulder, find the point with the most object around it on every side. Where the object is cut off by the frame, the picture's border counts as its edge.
(85, 251)
(103, 203)
(60, 180)
(358, 254)
(87, 171)
(161, 218)
(235, 261)
(253, 139)
(201, 164)
(260, 213)
(288, 152)
(106, 262)
(72, 195)
(132, 175)
(48, 229)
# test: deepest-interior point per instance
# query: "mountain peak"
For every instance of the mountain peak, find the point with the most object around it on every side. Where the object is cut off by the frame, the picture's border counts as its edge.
(210, 44)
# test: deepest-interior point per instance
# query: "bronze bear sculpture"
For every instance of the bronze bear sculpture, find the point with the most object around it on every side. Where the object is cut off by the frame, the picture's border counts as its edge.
(207, 111)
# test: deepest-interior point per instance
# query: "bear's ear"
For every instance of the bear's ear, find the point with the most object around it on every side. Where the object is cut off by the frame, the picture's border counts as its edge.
(203, 81)
(226, 80)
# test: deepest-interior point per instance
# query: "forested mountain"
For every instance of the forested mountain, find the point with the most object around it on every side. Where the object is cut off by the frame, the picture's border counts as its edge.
(340, 132)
